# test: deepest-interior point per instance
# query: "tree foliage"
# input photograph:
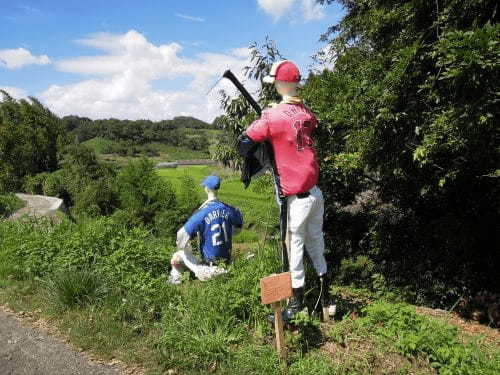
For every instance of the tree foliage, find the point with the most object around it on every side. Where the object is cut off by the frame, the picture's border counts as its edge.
(29, 138)
(134, 136)
(410, 110)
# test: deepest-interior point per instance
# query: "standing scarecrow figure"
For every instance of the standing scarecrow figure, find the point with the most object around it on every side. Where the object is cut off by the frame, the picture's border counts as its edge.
(215, 222)
(288, 128)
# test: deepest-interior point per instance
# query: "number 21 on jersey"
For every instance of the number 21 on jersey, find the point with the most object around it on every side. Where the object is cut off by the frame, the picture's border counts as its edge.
(219, 235)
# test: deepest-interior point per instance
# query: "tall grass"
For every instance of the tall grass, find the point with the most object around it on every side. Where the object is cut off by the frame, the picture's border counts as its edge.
(75, 287)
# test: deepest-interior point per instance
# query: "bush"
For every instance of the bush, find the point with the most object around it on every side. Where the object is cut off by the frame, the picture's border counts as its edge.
(356, 271)
(131, 259)
(35, 184)
(97, 199)
(55, 185)
(142, 192)
(9, 204)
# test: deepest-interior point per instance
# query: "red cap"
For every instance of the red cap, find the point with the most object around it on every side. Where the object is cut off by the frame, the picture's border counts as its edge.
(285, 71)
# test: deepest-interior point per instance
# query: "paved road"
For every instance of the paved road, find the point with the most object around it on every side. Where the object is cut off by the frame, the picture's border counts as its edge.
(25, 350)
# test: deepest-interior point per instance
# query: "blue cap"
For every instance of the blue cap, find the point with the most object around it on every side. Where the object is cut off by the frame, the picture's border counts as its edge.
(212, 182)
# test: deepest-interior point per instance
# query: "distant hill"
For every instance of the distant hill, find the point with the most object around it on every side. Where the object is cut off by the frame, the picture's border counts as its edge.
(182, 137)
(136, 131)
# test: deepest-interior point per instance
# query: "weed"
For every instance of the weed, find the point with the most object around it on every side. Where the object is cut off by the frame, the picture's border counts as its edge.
(314, 364)
(252, 359)
(75, 287)
(416, 335)
(308, 335)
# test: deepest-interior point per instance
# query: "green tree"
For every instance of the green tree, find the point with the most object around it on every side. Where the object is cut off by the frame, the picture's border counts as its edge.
(143, 193)
(30, 136)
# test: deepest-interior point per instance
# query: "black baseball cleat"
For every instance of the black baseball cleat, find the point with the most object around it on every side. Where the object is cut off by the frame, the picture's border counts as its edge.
(293, 307)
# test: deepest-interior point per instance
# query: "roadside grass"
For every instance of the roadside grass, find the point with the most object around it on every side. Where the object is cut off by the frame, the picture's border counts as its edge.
(221, 325)
(75, 287)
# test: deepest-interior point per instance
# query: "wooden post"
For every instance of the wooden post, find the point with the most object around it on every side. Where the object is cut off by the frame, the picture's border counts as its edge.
(326, 314)
(274, 289)
(278, 329)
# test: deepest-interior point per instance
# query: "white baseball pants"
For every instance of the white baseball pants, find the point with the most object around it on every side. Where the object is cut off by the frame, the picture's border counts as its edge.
(305, 228)
(185, 258)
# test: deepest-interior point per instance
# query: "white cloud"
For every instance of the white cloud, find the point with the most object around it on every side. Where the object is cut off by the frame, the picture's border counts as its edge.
(311, 10)
(276, 8)
(190, 18)
(120, 82)
(15, 92)
(17, 58)
(308, 10)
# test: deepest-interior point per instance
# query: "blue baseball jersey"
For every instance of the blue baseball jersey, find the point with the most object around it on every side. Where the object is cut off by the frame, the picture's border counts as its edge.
(214, 222)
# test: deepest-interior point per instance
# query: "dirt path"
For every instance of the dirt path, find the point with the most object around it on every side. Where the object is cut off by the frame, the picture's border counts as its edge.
(25, 350)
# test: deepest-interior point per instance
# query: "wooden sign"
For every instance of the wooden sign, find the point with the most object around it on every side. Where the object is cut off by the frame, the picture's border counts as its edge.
(276, 287)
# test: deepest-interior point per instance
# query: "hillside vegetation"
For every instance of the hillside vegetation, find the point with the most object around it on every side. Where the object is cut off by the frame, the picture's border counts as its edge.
(168, 140)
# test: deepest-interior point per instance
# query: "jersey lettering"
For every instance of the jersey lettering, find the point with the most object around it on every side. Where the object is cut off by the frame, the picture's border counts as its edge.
(211, 216)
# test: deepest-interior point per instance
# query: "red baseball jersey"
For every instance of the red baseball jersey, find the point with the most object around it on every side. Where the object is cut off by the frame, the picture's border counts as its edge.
(289, 127)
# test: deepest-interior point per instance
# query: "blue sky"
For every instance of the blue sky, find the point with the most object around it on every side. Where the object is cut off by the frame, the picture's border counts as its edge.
(145, 59)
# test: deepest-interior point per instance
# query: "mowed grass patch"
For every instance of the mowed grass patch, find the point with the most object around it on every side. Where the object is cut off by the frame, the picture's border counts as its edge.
(260, 210)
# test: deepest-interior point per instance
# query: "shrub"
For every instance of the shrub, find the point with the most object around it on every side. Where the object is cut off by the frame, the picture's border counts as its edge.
(142, 192)
(131, 259)
(9, 204)
(35, 184)
(357, 270)
(55, 185)
(96, 199)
